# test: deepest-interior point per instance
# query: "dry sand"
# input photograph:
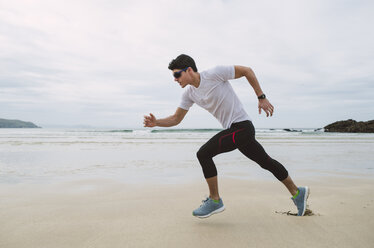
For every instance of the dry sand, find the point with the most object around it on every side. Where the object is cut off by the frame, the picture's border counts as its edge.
(105, 213)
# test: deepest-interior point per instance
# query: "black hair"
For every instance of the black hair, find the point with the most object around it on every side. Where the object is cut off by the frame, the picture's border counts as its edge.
(181, 62)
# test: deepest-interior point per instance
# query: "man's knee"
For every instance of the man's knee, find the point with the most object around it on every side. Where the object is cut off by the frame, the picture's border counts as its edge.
(274, 167)
(265, 162)
(206, 162)
(201, 154)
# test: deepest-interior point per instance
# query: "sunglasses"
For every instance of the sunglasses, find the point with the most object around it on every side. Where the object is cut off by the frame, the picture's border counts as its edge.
(178, 74)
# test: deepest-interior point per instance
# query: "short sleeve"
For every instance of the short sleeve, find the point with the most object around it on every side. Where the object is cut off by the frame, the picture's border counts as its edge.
(225, 73)
(186, 102)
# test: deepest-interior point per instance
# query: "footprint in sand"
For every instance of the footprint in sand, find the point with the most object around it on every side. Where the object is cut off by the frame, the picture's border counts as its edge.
(308, 212)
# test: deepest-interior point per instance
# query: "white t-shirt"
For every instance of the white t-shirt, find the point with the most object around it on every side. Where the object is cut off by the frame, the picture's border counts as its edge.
(216, 95)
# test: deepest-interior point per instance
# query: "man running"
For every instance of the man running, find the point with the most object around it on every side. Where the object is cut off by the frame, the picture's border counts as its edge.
(212, 91)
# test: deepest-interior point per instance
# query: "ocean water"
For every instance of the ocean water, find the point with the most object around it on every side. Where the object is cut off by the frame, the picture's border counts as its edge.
(169, 155)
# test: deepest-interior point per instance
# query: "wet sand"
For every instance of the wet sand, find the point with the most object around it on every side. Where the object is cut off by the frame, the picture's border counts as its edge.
(108, 213)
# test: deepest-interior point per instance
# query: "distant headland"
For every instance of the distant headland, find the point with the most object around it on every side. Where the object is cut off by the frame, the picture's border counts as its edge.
(351, 126)
(4, 123)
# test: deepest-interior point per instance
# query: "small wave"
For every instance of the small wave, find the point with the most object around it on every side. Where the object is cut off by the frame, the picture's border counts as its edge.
(121, 131)
(186, 130)
(102, 131)
(292, 130)
(300, 130)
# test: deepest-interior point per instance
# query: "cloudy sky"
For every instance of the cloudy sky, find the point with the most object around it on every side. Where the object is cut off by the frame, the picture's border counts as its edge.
(104, 63)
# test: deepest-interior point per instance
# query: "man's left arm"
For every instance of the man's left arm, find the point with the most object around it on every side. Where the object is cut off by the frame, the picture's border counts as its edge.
(263, 103)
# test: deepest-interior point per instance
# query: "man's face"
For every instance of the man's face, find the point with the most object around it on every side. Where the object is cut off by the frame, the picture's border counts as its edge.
(181, 76)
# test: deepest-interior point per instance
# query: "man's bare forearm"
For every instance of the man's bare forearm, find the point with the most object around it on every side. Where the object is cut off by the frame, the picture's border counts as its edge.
(167, 122)
(251, 77)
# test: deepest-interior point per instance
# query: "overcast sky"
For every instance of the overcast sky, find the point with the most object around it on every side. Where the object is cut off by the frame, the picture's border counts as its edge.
(104, 63)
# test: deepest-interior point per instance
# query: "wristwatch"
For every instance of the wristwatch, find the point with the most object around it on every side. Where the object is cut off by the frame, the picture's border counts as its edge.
(261, 97)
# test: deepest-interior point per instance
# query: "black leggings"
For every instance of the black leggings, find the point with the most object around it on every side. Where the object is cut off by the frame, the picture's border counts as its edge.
(240, 135)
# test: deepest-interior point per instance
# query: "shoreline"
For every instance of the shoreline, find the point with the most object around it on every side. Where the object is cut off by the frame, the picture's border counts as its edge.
(108, 213)
(194, 175)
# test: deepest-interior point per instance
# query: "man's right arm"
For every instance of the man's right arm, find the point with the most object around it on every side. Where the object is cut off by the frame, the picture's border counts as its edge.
(173, 120)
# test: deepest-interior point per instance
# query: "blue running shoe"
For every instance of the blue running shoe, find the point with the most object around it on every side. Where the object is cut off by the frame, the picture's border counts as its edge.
(300, 200)
(208, 208)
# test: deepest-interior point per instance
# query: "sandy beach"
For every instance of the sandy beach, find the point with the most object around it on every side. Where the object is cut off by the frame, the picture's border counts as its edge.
(113, 188)
(108, 213)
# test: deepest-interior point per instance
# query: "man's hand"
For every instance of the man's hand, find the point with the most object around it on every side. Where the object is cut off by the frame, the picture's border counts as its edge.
(266, 106)
(149, 121)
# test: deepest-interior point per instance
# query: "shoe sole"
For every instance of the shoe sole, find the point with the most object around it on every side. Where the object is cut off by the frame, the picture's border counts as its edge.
(307, 192)
(211, 213)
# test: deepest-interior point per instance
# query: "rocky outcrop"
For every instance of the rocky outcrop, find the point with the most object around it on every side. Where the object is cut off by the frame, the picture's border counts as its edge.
(351, 126)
